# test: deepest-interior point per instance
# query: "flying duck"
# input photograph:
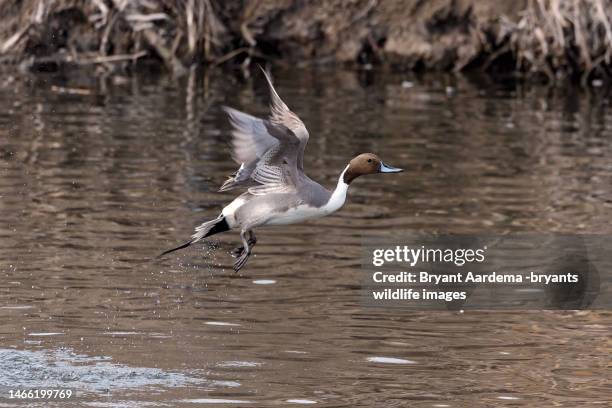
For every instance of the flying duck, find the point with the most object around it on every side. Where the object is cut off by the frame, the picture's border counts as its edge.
(270, 153)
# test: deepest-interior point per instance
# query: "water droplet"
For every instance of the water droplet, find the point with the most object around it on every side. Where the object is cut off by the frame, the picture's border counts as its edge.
(264, 282)
(390, 360)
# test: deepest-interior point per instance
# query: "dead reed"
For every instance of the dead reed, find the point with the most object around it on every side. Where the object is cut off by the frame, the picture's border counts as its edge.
(556, 38)
(107, 32)
(562, 38)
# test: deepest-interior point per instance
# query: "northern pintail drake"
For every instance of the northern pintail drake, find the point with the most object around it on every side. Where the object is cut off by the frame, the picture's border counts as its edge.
(270, 153)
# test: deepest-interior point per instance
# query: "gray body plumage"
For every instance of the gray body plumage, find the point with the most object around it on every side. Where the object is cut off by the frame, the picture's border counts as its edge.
(260, 209)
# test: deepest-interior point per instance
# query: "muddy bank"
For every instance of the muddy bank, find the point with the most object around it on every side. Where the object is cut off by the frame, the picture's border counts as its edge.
(549, 38)
(438, 34)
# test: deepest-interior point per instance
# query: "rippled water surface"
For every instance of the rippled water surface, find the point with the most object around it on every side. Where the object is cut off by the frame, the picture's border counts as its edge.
(99, 176)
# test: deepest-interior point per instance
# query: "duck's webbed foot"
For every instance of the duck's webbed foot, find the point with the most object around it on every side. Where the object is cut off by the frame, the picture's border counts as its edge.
(245, 250)
(237, 252)
(240, 262)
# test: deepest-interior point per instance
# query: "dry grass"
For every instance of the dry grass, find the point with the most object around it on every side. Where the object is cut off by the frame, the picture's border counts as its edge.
(110, 31)
(562, 38)
(557, 38)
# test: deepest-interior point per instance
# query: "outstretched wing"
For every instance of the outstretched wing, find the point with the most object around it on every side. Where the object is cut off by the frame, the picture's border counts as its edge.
(251, 138)
(276, 171)
(282, 115)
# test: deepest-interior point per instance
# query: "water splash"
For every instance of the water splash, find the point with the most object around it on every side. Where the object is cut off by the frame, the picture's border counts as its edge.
(63, 368)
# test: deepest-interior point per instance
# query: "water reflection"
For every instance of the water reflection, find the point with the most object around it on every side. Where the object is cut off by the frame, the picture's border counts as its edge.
(96, 183)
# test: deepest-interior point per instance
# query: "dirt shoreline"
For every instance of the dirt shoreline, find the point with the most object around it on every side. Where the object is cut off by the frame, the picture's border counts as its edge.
(548, 38)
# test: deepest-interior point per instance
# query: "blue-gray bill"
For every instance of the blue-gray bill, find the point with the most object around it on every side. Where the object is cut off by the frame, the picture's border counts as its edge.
(388, 169)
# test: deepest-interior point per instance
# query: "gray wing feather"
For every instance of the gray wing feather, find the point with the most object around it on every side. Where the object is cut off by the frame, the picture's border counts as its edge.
(250, 138)
(259, 146)
(276, 171)
(282, 115)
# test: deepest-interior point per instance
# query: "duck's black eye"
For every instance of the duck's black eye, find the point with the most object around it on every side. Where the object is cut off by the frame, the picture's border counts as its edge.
(369, 160)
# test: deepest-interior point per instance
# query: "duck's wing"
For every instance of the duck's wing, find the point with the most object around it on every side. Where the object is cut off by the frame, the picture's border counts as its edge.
(251, 138)
(282, 115)
(250, 141)
(277, 171)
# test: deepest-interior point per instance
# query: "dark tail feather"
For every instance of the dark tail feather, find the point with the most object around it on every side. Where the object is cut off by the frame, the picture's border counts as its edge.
(205, 230)
(185, 245)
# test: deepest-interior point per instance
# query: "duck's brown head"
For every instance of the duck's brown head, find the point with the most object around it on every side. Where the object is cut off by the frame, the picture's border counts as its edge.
(366, 163)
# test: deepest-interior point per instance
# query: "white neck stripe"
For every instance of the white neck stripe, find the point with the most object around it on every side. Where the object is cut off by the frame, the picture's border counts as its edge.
(338, 197)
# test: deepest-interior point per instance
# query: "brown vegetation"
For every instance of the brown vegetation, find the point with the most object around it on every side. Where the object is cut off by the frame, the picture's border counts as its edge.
(552, 37)
(47, 33)
(563, 38)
